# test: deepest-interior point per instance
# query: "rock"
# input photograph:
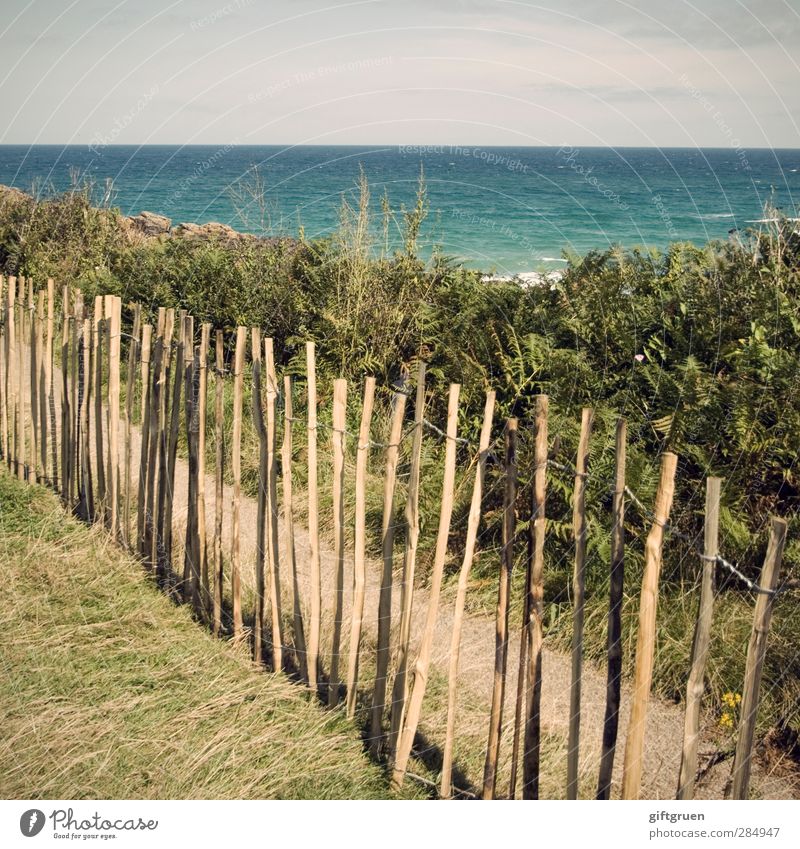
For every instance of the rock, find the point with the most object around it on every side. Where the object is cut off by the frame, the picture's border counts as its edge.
(211, 231)
(9, 195)
(149, 224)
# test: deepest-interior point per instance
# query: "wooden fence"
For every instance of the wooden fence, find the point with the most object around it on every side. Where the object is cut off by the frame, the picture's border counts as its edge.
(64, 426)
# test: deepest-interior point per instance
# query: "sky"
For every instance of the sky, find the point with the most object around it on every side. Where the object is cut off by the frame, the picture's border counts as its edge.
(712, 73)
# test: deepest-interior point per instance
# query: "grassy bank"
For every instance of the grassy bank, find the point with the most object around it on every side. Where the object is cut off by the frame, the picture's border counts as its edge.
(110, 691)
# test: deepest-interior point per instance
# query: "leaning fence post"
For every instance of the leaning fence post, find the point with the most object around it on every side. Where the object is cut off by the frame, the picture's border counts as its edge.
(702, 637)
(236, 467)
(756, 652)
(579, 531)
(646, 639)
(313, 522)
(360, 544)
(422, 665)
(409, 566)
(387, 550)
(473, 523)
(614, 677)
(337, 437)
(501, 623)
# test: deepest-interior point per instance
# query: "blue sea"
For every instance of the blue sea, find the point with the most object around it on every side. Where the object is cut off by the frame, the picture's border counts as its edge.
(501, 209)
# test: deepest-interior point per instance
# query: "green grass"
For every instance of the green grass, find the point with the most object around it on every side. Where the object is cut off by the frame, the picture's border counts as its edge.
(110, 691)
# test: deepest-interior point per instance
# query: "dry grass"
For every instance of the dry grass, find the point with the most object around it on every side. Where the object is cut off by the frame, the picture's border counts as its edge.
(110, 691)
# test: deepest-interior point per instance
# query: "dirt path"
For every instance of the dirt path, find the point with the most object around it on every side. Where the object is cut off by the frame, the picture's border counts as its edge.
(664, 722)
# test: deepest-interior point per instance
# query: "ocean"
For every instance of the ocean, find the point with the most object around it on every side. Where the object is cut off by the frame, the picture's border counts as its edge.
(502, 209)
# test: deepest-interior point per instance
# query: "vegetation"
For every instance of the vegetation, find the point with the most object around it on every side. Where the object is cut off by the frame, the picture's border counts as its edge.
(698, 347)
(110, 691)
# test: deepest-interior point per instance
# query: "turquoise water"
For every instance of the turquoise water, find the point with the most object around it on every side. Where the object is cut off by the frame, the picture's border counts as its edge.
(508, 209)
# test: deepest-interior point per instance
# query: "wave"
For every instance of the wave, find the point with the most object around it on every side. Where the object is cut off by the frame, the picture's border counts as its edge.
(711, 216)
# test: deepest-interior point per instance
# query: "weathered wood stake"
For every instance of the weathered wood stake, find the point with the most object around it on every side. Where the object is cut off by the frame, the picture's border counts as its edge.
(473, 522)
(579, 532)
(614, 678)
(646, 639)
(360, 547)
(756, 652)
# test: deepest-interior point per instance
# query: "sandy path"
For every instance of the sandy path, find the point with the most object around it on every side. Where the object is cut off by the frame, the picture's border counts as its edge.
(664, 723)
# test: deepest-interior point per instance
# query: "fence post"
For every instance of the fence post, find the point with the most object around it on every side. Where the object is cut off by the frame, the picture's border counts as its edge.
(4, 371)
(236, 465)
(150, 551)
(202, 535)
(42, 391)
(147, 335)
(337, 437)
(167, 492)
(113, 404)
(579, 532)
(159, 541)
(473, 523)
(387, 550)
(22, 426)
(33, 365)
(188, 582)
(702, 638)
(130, 393)
(75, 332)
(501, 624)
(272, 505)
(66, 419)
(86, 460)
(11, 378)
(11, 382)
(535, 608)
(313, 522)
(48, 372)
(645, 642)
(756, 652)
(219, 468)
(97, 393)
(617, 581)
(409, 566)
(192, 548)
(360, 544)
(261, 530)
(288, 525)
(423, 662)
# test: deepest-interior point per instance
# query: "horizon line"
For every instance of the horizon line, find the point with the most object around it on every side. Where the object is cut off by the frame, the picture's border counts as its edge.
(426, 145)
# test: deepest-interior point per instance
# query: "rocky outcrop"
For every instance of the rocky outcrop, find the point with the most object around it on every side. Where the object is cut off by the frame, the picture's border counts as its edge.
(211, 231)
(149, 224)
